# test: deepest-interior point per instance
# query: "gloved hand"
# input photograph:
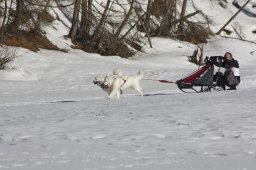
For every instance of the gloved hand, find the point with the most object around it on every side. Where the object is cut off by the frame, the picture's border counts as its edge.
(220, 58)
(213, 58)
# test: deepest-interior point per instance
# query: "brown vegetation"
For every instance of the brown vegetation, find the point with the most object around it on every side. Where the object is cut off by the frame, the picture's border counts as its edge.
(196, 34)
(30, 40)
(46, 17)
(158, 8)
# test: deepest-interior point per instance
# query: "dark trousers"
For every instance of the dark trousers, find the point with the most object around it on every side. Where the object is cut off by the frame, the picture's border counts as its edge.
(221, 81)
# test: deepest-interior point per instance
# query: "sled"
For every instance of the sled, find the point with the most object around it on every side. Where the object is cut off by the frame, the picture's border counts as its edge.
(203, 78)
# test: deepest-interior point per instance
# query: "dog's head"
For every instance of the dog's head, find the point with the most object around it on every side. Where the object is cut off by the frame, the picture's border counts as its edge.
(118, 72)
(108, 81)
(99, 80)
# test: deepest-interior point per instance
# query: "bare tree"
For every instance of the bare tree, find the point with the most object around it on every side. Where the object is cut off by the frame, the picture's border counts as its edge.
(102, 20)
(182, 14)
(10, 7)
(145, 28)
(86, 20)
(17, 18)
(74, 28)
(169, 16)
(125, 20)
(222, 28)
(5, 13)
(148, 14)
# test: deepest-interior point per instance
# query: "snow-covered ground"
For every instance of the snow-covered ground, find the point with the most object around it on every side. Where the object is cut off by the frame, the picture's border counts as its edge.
(52, 117)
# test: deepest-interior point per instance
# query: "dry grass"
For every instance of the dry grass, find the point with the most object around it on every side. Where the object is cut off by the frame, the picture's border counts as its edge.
(158, 8)
(46, 17)
(195, 33)
(106, 49)
(31, 39)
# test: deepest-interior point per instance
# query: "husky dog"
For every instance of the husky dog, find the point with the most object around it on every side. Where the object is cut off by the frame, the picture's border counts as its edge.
(119, 83)
(99, 80)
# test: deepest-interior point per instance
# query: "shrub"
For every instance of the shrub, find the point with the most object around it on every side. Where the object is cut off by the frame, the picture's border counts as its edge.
(7, 55)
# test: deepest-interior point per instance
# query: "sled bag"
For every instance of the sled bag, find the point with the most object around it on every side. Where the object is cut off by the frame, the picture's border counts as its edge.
(231, 79)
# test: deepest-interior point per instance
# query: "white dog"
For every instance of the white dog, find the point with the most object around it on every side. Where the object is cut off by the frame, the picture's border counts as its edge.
(119, 83)
(99, 80)
(118, 72)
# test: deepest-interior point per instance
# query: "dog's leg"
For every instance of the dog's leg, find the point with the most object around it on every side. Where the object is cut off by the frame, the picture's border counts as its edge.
(118, 94)
(112, 93)
(138, 89)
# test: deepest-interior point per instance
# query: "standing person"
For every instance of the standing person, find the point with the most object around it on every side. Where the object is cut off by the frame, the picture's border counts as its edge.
(231, 76)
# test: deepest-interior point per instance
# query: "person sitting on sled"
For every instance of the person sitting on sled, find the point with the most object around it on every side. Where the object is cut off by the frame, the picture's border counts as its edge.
(231, 76)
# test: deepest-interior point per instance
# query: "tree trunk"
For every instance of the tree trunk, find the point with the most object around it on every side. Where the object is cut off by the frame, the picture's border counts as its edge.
(102, 20)
(17, 18)
(184, 18)
(125, 20)
(4, 18)
(170, 15)
(89, 18)
(148, 14)
(8, 20)
(133, 26)
(233, 17)
(5, 13)
(86, 20)
(84, 17)
(75, 20)
(182, 14)
(144, 27)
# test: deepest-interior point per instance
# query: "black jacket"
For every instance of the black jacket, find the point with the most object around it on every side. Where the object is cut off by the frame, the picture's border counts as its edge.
(227, 64)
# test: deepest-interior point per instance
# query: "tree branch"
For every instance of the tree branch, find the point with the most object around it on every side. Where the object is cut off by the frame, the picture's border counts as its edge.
(232, 17)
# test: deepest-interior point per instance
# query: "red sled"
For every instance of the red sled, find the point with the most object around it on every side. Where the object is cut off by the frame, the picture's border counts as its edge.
(202, 78)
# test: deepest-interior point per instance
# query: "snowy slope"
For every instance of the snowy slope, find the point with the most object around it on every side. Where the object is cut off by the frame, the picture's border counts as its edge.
(52, 116)
(241, 26)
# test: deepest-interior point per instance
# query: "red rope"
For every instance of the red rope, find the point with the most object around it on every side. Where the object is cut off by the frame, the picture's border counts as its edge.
(161, 81)
(165, 81)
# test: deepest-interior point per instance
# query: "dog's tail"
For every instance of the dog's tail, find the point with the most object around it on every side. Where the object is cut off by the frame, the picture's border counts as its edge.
(140, 74)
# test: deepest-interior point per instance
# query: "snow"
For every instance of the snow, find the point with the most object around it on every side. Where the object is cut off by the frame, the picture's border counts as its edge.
(53, 117)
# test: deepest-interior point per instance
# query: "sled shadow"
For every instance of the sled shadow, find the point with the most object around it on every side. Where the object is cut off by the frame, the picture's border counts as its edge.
(159, 94)
(64, 101)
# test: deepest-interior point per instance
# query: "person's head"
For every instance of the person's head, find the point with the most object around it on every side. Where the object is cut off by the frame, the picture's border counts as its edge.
(228, 56)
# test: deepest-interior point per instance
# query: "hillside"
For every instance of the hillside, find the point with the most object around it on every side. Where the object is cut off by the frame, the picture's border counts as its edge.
(217, 13)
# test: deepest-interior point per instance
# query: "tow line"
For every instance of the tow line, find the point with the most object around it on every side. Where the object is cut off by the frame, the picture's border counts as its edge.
(161, 81)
